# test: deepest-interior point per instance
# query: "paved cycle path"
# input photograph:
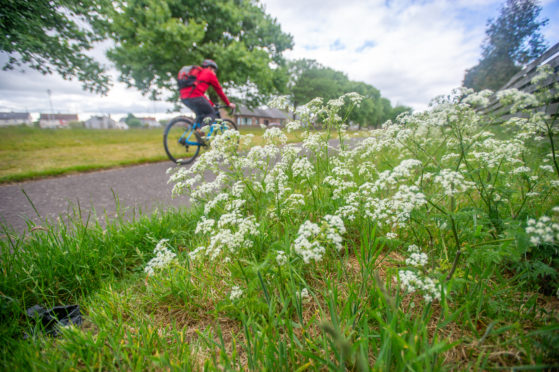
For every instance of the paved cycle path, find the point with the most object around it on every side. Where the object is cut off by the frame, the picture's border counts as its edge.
(138, 188)
(141, 188)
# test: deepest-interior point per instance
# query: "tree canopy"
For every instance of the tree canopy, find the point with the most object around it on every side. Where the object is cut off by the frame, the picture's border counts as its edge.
(309, 79)
(513, 39)
(53, 35)
(154, 38)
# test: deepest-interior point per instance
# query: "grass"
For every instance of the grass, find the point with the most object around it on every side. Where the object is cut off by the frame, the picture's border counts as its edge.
(31, 153)
(28, 153)
(185, 320)
(347, 310)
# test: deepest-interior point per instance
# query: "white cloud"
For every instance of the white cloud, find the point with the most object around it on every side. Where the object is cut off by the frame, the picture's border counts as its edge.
(27, 92)
(411, 50)
(416, 49)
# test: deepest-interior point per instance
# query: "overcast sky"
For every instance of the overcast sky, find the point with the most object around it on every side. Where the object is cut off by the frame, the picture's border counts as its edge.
(411, 50)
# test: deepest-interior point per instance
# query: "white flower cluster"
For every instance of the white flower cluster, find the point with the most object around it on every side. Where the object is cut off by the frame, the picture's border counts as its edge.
(517, 99)
(339, 185)
(294, 201)
(412, 282)
(543, 231)
(226, 142)
(303, 295)
(395, 210)
(205, 226)
(302, 167)
(312, 239)
(544, 73)
(275, 136)
(416, 258)
(314, 142)
(336, 102)
(292, 126)
(493, 153)
(453, 182)
(354, 97)
(309, 112)
(521, 169)
(231, 233)
(163, 257)
(281, 258)
(282, 103)
(547, 168)
(307, 243)
(479, 99)
(333, 227)
(236, 293)
(222, 153)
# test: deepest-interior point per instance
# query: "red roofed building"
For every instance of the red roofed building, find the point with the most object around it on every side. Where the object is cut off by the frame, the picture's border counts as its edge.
(56, 120)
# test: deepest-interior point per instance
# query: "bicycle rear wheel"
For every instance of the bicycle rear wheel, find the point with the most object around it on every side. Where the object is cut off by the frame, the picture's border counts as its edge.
(177, 132)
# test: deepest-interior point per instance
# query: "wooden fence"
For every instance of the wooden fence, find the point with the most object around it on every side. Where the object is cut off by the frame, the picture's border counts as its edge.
(522, 81)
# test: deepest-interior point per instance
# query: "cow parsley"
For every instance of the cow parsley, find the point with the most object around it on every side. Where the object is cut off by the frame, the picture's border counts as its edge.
(542, 231)
(411, 282)
(163, 257)
(236, 293)
(312, 239)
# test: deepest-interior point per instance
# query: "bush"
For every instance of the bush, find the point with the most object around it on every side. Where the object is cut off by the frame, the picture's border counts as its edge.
(74, 124)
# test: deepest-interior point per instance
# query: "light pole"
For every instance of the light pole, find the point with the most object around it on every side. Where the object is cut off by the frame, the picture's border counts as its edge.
(50, 102)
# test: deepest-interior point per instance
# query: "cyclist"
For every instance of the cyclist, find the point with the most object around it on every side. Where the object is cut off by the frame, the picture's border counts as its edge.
(195, 99)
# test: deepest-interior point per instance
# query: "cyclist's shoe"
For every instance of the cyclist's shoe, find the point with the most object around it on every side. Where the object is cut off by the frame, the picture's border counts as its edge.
(201, 140)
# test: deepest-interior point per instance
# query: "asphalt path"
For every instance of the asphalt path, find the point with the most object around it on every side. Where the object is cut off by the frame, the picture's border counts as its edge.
(133, 190)
(139, 189)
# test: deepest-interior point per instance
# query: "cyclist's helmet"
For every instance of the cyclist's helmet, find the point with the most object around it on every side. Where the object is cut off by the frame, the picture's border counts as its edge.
(209, 63)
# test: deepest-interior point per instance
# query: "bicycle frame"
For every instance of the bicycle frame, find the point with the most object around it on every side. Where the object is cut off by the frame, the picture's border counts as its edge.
(214, 127)
(189, 133)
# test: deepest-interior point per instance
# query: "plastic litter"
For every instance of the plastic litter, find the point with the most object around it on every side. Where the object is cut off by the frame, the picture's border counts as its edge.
(53, 319)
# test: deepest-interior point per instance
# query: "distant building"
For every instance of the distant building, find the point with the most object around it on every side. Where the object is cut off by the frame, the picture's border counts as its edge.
(121, 124)
(256, 117)
(15, 118)
(56, 120)
(100, 122)
(150, 122)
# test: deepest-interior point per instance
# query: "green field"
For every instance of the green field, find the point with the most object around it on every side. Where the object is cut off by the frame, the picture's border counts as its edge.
(29, 153)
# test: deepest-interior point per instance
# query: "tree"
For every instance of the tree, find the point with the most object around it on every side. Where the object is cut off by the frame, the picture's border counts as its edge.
(53, 35)
(154, 38)
(513, 39)
(132, 121)
(399, 109)
(309, 79)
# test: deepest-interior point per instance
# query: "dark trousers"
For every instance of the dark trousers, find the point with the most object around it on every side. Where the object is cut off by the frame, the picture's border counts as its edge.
(201, 108)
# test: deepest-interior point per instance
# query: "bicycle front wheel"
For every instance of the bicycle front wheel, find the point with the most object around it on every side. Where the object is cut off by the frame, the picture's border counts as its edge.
(226, 125)
(177, 133)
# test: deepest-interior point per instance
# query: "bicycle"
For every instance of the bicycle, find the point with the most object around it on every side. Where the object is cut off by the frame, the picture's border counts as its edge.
(179, 139)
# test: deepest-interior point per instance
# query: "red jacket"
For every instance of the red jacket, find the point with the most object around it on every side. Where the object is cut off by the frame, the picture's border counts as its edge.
(206, 78)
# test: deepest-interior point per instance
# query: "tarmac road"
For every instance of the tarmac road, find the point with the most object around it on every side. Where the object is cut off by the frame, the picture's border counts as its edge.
(138, 188)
